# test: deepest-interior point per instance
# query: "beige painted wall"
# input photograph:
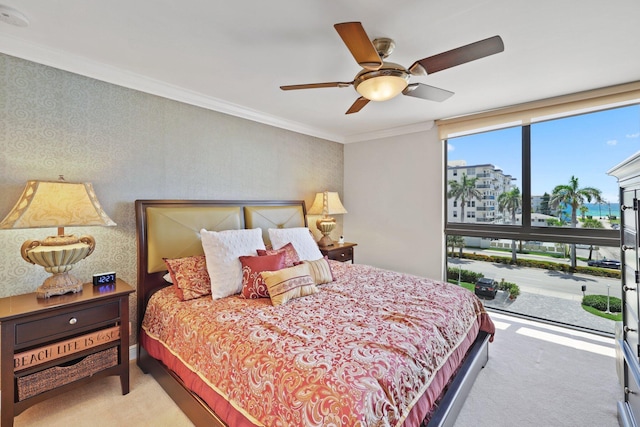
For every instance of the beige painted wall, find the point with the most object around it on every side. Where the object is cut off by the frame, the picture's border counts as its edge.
(133, 145)
(393, 190)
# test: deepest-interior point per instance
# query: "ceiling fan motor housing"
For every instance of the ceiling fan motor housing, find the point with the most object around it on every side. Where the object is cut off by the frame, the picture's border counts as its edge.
(382, 84)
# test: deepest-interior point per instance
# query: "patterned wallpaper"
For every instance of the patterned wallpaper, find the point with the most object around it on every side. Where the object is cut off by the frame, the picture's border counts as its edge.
(132, 145)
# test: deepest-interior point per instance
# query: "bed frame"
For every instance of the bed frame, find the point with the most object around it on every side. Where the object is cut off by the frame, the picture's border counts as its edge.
(182, 223)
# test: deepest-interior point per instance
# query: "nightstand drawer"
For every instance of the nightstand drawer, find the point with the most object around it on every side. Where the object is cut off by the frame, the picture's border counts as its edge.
(344, 254)
(66, 323)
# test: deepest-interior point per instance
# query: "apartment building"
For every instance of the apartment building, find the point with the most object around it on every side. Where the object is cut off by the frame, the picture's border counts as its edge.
(491, 181)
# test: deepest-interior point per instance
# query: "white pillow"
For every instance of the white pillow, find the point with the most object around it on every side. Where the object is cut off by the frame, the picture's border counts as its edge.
(300, 238)
(222, 250)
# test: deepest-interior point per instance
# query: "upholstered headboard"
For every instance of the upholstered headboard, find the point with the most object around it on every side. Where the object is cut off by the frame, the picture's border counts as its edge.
(171, 229)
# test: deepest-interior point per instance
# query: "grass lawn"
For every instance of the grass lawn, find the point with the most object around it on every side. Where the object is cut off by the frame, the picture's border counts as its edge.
(612, 316)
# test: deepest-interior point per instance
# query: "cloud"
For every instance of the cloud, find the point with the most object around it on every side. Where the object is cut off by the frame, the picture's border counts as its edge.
(451, 147)
(612, 142)
(633, 135)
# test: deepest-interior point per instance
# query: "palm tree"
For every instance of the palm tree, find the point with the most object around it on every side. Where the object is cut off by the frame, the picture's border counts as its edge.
(583, 211)
(510, 202)
(591, 223)
(463, 190)
(573, 196)
(455, 242)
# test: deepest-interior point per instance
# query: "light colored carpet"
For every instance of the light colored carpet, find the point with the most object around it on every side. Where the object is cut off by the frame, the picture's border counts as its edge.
(542, 375)
(101, 404)
(530, 380)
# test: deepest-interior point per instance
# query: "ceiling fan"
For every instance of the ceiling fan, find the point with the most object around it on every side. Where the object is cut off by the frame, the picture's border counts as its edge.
(380, 80)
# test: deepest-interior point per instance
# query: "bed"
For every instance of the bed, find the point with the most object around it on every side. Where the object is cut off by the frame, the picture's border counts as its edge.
(366, 347)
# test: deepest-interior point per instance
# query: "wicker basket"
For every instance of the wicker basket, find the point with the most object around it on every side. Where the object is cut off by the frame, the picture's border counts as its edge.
(48, 379)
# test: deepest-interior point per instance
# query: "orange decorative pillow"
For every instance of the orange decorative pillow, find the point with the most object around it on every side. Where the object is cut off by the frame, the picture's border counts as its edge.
(189, 276)
(253, 285)
(291, 256)
(289, 283)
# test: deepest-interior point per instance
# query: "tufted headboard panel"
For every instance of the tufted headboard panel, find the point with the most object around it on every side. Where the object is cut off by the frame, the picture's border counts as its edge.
(171, 229)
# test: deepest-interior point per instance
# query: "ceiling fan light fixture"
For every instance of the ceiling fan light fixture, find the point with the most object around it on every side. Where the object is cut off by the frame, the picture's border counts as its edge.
(383, 84)
(380, 80)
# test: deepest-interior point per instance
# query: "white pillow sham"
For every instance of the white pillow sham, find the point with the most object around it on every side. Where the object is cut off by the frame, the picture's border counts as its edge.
(222, 250)
(300, 238)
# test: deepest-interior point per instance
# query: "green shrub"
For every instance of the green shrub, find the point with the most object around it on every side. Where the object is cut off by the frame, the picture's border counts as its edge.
(599, 302)
(547, 265)
(514, 290)
(465, 275)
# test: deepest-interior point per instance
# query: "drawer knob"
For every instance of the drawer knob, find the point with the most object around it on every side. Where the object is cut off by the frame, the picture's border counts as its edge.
(73, 321)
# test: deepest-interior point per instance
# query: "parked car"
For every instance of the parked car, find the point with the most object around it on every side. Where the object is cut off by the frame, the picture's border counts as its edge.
(486, 287)
(604, 263)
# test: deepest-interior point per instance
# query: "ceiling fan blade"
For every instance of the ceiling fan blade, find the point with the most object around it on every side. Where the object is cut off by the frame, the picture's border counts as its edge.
(458, 56)
(420, 90)
(358, 105)
(316, 85)
(359, 44)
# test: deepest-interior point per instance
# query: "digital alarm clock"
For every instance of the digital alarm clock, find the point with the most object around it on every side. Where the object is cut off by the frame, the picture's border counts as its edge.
(100, 279)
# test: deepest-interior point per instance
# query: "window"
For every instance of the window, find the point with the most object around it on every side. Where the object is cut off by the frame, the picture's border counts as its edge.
(583, 189)
(481, 167)
(542, 197)
(542, 177)
(543, 293)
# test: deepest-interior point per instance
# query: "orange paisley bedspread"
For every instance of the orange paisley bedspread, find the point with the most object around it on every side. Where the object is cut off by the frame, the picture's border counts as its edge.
(361, 352)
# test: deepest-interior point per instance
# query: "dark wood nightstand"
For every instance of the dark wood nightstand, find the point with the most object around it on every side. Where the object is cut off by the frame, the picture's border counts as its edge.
(54, 344)
(339, 252)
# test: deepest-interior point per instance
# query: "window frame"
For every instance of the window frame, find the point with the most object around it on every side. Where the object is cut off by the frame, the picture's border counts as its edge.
(526, 231)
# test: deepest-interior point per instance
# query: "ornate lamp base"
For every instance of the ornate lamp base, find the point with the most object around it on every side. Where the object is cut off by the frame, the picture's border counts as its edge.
(59, 284)
(58, 254)
(326, 226)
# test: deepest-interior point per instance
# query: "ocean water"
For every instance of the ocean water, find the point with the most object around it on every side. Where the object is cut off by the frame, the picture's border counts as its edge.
(598, 210)
(605, 209)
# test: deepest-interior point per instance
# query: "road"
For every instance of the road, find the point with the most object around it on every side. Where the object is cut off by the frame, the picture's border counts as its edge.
(538, 281)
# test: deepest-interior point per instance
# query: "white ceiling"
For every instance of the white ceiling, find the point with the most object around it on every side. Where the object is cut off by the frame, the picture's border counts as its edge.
(232, 56)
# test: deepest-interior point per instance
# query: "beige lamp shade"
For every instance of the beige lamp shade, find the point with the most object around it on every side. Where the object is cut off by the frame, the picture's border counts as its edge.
(57, 204)
(325, 204)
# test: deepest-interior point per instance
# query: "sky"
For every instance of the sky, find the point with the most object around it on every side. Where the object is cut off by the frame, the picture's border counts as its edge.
(585, 146)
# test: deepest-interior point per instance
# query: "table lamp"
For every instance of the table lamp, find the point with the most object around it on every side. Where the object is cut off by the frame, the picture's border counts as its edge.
(325, 204)
(57, 204)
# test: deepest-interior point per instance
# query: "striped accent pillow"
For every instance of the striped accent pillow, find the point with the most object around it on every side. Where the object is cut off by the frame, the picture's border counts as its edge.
(289, 283)
(320, 270)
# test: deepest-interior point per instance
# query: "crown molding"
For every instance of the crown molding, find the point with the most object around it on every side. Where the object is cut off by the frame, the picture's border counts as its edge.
(62, 60)
(386, 133)
(19, 48)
